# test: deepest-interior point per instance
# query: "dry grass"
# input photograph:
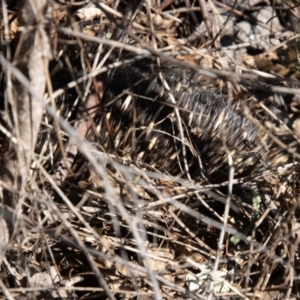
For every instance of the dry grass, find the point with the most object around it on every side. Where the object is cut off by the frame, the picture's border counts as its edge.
(87, 221)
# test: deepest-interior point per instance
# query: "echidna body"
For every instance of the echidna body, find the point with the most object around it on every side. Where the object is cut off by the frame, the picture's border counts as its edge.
(144, 126)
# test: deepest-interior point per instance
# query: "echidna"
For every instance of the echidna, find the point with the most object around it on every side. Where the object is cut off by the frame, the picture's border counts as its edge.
(144, 126)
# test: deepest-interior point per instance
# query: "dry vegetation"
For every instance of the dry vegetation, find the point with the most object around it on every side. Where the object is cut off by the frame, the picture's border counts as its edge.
(82, 220)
